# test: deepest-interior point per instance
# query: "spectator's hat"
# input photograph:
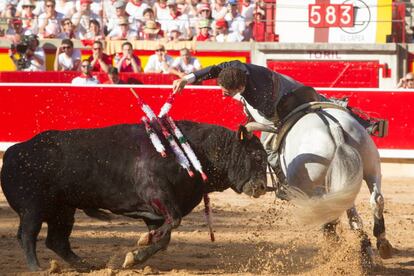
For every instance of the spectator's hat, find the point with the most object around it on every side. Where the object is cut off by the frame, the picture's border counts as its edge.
(203, 7)
(171, 3)
(85, 2)
(221, 23)
(123, 21)
(28, 3)
(204, 23)
(233, 2)
(151, 27)
(119, 4)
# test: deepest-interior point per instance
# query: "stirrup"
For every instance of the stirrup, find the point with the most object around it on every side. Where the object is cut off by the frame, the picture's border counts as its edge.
(379, 128)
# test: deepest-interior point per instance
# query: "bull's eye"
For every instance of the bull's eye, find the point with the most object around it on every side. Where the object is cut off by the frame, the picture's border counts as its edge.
(257, 157)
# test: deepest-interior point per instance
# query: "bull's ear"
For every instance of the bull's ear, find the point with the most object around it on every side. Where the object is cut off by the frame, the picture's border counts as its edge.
(243, 134)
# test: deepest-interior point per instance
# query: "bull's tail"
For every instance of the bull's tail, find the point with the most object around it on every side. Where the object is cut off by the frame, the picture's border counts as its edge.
(343, 182)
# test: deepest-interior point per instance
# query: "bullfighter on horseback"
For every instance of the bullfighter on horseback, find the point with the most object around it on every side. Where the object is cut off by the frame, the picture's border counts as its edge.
(268, 97)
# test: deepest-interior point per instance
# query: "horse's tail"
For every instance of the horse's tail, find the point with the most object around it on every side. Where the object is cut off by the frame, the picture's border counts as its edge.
(343, 182)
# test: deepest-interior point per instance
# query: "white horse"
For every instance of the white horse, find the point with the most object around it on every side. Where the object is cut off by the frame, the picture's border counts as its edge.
(325, 156)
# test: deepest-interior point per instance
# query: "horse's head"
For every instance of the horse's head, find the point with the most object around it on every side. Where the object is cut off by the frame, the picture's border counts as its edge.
(247, 171)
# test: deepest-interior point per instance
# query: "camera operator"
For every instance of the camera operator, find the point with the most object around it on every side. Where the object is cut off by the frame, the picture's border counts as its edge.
(31, 56)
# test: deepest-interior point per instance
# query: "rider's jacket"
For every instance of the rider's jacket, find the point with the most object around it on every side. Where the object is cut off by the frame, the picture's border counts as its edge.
(264, 88)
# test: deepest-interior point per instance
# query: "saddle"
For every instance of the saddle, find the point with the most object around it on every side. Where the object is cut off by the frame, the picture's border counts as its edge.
(286, 123)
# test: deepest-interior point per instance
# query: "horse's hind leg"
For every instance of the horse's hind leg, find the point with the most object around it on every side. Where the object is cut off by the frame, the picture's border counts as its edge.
(377, 205)
(355, 222)
(329, 231)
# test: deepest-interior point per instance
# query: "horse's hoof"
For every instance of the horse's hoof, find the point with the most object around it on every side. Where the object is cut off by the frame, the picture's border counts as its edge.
(385, 249)
(129, 260)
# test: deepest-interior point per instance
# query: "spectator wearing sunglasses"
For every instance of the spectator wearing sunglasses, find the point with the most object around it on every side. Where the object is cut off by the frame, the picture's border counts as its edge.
(67, 58)
(68, 30)
(159, 62)
(85, 77)
(100, 62)
(407, 82)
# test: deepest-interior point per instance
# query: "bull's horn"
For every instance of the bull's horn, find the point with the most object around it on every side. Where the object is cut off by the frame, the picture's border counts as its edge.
(253, 126)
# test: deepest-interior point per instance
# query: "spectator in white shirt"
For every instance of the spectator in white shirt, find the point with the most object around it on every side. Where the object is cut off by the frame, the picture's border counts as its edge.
(49, 21)
(123, 32)
(175, 18)
(185, 64)
(247, 10)
(65, 7)
(159, 62)
(8, 9)
(67, 58)
(136, 8)
(161, 11)
(85, 77)
(223, 34)
(28, 17)
(234, 20)
(82, 18)
(219, 9)
(121, 13)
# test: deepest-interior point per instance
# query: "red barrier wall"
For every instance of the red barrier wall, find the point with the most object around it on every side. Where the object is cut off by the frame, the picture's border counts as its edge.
(27, 110)
(351, 73)
(67, 77)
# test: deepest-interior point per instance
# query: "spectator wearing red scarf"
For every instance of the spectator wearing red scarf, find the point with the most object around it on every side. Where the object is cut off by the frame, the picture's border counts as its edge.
(177, 19)
(204, 31)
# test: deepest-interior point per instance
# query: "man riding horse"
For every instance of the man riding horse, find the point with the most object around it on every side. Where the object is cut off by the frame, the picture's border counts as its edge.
(267, 96)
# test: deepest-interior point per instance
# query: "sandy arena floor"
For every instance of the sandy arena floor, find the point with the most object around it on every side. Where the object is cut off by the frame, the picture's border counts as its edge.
(254, 236)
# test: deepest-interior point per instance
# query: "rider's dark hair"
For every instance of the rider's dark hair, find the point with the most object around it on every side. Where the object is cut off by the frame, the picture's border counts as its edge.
(231, 78)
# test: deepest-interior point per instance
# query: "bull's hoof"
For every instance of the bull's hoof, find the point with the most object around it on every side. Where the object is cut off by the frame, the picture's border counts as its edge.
(384, 249)
(129, 260)
(34, 268)
(144, 240)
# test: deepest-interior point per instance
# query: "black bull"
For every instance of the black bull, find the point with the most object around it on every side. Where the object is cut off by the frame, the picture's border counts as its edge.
(48, 177)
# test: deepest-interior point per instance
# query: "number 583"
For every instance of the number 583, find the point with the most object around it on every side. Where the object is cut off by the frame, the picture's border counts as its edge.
(331, 15)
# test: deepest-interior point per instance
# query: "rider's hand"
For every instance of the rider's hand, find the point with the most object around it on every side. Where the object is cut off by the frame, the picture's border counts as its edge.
(179, 85)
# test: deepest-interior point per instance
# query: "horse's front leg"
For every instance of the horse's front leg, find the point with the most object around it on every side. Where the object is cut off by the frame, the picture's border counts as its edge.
(377, 205)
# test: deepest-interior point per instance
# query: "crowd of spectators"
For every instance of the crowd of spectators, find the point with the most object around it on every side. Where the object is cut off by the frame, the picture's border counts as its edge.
(171, 20)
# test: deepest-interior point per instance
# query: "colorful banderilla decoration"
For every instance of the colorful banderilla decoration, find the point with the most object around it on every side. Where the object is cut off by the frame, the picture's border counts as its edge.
(181, 157)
